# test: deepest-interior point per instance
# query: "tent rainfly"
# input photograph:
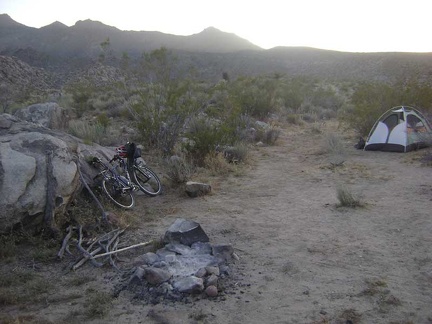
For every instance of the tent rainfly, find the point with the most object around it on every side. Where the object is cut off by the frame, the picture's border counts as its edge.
(400, 129)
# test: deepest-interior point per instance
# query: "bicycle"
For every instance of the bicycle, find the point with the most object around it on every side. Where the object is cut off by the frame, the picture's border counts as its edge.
(118, 188)
(140, 174)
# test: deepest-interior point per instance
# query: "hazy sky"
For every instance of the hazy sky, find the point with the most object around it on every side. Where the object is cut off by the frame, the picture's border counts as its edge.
(344, 25)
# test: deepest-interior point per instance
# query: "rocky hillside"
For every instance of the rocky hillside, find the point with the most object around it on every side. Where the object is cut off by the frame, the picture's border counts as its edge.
(20, 80)
(65, 51)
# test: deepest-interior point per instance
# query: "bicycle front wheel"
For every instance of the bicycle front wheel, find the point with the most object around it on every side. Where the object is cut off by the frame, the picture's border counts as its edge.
(146, 180)
(117, 194)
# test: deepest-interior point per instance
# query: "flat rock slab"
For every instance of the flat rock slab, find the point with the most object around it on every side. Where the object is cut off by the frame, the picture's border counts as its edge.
(185, 232)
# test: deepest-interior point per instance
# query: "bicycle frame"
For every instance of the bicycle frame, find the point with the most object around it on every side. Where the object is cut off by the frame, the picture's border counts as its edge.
(111, 172)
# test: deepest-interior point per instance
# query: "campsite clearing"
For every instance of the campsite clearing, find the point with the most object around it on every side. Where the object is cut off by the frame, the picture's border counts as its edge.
(302, 259)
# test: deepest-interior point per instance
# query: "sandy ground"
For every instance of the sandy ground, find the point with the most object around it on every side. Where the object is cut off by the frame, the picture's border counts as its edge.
(302, 259)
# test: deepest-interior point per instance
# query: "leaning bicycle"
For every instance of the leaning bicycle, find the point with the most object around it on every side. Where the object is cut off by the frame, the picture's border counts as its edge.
(118, 188)
(140, 174)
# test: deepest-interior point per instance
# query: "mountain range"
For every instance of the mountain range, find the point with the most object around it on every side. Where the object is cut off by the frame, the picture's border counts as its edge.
(59, 48)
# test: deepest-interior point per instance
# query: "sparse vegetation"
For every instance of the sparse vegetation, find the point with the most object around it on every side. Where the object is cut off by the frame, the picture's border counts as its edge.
(89, 132)
(196, 125)
(98, 304)
(179, 169)
(347, 199)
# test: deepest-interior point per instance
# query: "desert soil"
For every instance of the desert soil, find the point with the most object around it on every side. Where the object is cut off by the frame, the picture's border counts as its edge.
(302, 259)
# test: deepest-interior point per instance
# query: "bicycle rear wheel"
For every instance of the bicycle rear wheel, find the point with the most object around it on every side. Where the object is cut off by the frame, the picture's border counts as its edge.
(117, 193)
(146, 179)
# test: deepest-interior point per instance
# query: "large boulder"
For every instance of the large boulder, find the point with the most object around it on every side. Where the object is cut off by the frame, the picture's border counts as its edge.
(48, 114)
(33, 156)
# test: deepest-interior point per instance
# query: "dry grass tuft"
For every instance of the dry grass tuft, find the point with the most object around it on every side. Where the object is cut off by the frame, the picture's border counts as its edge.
(98, 304)
(179, 170)
(347, 199)
(216, 164)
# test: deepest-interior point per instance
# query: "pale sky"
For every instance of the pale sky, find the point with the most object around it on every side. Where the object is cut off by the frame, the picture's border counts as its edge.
(343, 25)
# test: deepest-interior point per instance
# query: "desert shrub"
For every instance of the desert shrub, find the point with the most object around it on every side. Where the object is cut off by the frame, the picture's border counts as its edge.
(162, 110)
(310, 117)
(81, 92)
(334, 144)
(217, 164)
(204, 136)
(294, 119)
(316, 128)
(326, 97)
(179, 169)
(234, 154)
(294, 92)
(326, 114)
(335, 148)
(256, 96)
(268, 135)
(347, 199)
(103, 120)
(89, 132)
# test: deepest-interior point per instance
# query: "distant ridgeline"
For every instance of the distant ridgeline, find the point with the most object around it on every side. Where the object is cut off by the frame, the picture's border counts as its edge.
(59, 48)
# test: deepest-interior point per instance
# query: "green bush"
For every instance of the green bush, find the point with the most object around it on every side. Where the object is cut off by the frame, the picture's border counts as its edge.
(161, 111)
(81, 93)
(204, 136)
(255, 96)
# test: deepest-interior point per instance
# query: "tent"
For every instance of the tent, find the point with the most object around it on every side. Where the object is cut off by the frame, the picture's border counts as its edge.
(400, 129)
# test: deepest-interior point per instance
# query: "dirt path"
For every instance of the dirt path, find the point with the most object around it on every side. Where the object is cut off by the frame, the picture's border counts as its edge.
(302, 259)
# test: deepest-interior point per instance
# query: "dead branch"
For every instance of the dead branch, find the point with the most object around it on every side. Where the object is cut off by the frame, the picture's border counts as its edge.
(104, 216)
(85, 252)
(85, 258)
(107, 244)
(123, 249)
(65, 243)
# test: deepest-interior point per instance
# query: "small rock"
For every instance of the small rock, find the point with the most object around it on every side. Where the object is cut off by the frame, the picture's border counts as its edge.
(223, 252)
(189, 284)
(213, 270)
(197, 189)
(201, 273)
(179, 248)
(137, 276)
(211, 291)
(148, 259)
(170, 258)
(225, 270)
(212, 280)
(201, 248)
(156, 276)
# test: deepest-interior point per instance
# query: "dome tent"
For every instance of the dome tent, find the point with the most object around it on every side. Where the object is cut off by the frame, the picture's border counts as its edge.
(400, 129)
